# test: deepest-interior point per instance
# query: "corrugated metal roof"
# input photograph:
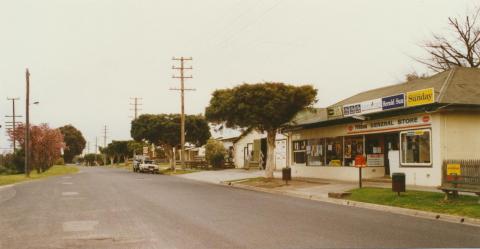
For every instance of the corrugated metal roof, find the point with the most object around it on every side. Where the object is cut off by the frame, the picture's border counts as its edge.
(456, 86)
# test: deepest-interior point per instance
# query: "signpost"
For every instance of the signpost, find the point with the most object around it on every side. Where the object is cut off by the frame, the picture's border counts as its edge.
(360, 162)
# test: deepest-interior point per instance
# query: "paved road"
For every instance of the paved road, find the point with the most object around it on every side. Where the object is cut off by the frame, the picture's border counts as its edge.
(111, 208)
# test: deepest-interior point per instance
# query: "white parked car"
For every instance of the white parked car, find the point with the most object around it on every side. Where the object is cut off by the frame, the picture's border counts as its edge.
(149, 166)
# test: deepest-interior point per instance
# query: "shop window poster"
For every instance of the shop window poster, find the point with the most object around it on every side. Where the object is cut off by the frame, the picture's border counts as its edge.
(348, 151)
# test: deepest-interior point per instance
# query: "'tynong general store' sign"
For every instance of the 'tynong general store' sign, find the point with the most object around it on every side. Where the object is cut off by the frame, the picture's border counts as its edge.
(386, 125)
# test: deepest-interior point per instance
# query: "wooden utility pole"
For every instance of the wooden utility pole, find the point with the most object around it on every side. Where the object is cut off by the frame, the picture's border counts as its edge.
(96, 150)
(135, 104)
(27, 124)
(13, 122)
(182, 90)
(105, 144)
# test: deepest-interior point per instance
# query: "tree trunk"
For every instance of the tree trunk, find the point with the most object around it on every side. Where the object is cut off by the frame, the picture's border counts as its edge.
(169, 154)
(111, 160)
(270, 167)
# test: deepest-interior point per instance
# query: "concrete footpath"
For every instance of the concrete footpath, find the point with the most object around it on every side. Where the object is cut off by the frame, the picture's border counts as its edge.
(318, 190)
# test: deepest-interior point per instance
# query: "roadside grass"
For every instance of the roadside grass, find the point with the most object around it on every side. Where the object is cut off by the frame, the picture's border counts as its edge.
(170, 171)
(420, 200)
(53, 171)
(262, 182)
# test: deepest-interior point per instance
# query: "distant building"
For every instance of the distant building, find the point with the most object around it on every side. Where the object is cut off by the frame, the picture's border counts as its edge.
(252, 144)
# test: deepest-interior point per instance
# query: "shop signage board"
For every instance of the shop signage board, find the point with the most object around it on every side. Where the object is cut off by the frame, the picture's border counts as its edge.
(351, 110)
(453, 169)
(392, 102)
(384, 125)
(370, 106)
(375, 160)
(335, 111)
(421, 97)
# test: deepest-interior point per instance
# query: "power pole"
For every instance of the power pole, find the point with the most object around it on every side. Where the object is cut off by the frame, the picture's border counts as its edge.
(182, 90)
(104, 144)
(13, 123)
(27, 124)
(96, 149)
(135, 104)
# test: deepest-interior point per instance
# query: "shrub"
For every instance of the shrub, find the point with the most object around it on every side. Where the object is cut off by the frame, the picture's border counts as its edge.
(59, 161)
(13, 163)
(215, 153)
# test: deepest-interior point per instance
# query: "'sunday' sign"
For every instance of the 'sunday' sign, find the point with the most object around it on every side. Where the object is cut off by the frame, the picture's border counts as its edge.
(392, 102)
(420, 97)
(389, 124)
(414, 98)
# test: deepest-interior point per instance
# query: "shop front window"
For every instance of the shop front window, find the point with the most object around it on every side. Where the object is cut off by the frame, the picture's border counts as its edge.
(315, 152)
(375, 149)
(299, 151)
(334, 151)
(353, 147)
(416, 148)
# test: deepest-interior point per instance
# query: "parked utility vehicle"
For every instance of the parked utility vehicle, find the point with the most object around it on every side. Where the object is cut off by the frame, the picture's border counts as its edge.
(149, 166)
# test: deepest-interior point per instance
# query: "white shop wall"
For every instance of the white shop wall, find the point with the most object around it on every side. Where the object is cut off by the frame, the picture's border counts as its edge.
(280, 150)
(424, 176)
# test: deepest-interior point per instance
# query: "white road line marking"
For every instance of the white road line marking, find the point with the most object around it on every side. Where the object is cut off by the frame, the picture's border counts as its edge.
(67, 183)
(69, 193)
(79, 225)
(67, 177)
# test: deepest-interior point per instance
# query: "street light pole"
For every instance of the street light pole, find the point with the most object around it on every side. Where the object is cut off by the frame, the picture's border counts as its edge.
(27, 124)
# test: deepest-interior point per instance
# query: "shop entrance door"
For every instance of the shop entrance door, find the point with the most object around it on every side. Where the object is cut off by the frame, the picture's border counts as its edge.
(391, 143)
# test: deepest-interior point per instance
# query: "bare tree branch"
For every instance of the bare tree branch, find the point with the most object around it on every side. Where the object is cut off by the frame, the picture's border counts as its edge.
(460, 49)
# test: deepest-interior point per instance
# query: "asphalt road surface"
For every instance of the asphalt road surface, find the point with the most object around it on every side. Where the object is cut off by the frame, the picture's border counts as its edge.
(111, 208)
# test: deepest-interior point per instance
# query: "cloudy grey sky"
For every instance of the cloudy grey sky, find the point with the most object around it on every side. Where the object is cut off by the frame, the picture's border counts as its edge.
(88, 57)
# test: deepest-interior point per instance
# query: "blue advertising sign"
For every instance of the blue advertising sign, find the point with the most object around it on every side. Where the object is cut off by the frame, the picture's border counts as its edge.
(395, 101)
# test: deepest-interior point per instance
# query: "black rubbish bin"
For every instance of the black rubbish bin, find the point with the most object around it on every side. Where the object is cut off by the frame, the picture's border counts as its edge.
(287, 174)
(398, 182)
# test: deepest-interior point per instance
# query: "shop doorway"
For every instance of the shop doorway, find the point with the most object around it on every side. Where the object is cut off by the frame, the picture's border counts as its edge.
(378, 147)
(391, 144)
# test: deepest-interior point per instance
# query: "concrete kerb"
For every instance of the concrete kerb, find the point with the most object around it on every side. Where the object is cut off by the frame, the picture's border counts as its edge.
(390, 209)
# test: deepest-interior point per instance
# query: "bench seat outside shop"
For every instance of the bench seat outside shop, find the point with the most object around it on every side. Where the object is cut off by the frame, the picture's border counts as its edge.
(461, 176)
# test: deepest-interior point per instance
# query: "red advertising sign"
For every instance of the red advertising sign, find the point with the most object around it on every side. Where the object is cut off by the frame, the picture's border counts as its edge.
(360, 161)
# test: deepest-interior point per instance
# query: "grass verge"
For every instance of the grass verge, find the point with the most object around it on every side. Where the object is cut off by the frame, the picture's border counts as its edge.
(53, 171)
(262, 182)
(420, 200)
(177, 172)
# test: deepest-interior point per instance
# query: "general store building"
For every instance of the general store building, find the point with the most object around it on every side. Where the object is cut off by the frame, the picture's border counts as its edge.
(410, 127)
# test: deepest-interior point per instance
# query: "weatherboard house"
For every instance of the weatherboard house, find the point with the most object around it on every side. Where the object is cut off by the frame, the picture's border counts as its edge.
(410, 128)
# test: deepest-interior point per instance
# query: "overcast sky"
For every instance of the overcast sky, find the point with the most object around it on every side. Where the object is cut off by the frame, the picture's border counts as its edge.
(88, 57)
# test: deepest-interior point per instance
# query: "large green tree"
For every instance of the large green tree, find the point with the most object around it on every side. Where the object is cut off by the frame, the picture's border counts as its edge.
(262, 106)
(74, 142)
(164, 130)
